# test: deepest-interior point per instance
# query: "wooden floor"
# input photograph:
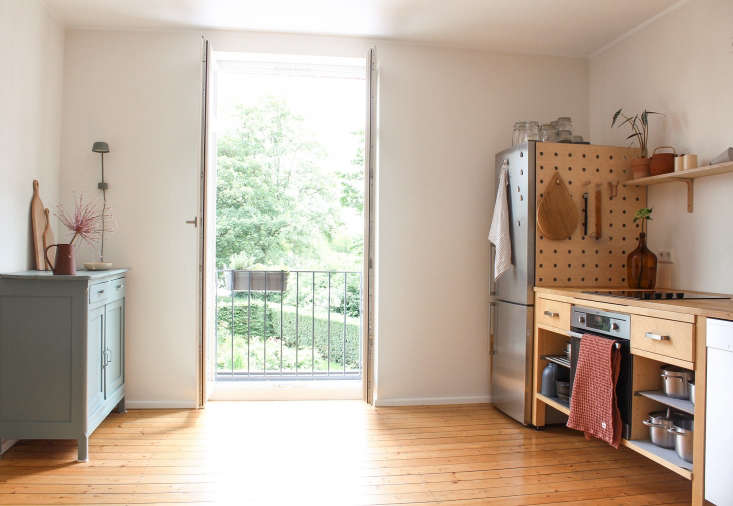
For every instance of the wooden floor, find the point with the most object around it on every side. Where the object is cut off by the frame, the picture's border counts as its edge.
(332, 453)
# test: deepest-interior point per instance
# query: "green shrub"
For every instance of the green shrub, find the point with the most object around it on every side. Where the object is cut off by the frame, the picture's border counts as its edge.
(310, 330)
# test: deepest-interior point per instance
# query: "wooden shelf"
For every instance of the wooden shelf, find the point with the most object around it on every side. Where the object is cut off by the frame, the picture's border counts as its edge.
(684, 176)
(679, 404)
(555, 403)
(560, 360)
(663, 456)
(553, 329)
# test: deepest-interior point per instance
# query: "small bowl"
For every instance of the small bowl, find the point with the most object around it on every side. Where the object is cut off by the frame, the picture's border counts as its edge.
(98, 266)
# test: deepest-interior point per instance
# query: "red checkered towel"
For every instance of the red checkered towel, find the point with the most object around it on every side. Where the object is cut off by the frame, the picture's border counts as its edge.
(593, 406)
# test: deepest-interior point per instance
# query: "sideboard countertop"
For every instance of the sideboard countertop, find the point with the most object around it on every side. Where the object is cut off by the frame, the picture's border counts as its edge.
(81, 275)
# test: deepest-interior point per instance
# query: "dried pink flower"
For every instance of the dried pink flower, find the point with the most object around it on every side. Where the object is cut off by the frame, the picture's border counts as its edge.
(87, 222)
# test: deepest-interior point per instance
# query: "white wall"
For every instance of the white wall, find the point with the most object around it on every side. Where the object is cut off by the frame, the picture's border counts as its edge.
(31, 49)
(443, 115)
(681, 65)
(140, 92)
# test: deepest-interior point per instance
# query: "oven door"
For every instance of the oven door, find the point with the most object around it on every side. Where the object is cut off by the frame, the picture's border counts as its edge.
(624, 387)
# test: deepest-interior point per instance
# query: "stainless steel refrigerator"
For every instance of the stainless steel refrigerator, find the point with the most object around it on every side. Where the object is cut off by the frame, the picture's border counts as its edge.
(512, 295)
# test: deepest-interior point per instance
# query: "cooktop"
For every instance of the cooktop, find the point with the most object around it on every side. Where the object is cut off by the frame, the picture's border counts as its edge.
(655, 294)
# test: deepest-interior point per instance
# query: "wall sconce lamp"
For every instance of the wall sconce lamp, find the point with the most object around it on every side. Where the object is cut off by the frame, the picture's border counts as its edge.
(102, 148)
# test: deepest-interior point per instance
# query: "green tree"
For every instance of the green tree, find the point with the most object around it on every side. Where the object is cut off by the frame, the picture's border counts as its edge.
(352, 179)
(275, 203)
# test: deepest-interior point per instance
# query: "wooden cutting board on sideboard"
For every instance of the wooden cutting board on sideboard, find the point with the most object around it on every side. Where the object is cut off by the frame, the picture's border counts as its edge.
(48, 240)
(557, 215)
(38, 224)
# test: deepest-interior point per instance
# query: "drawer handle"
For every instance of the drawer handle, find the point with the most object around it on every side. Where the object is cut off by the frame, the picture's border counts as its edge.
(118, 286)
(100, 291)
(656, 337)
(551, 314)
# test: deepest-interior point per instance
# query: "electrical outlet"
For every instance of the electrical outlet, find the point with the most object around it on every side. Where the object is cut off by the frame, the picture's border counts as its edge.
(665, 256)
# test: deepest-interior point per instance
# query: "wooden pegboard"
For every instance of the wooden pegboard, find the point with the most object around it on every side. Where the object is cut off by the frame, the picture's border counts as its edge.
(582, 260)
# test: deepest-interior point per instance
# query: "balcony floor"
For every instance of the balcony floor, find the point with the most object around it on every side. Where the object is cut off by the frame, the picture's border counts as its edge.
(331, 452)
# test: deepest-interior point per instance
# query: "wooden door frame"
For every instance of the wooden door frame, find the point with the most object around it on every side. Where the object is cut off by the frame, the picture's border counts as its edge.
(368, 295)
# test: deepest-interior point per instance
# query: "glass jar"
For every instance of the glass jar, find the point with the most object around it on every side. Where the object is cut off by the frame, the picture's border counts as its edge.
(576, 139)
(564, 136)
(548, 133)
(521, 132)
(516, 132)
(565, 123)
(533, 131)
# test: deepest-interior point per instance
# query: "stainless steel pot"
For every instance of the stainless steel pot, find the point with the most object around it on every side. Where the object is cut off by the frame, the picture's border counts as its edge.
(675, 380)
(683, 438)
(691, 391)
(659, 424)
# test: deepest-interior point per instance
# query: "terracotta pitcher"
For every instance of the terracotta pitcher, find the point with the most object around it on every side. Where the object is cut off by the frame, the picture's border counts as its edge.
(65, 261)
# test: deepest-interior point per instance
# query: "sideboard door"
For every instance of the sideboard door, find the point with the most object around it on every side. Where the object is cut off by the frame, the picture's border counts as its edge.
(95, 359)
(115, 345)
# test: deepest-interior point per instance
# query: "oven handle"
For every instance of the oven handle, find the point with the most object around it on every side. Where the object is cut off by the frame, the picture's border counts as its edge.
(572, 333)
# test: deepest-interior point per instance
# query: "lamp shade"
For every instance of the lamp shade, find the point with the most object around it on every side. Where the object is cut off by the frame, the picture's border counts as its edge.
(100, 147)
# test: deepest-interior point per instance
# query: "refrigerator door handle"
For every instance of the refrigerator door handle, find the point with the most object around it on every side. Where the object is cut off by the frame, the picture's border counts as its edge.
(492, 325)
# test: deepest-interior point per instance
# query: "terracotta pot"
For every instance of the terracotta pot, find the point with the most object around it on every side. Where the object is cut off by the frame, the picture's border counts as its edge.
(662, 163)
(65, 261)
(640, 167)
(641, 266)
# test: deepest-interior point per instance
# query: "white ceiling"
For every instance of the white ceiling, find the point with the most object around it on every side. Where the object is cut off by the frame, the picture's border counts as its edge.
(554, 27)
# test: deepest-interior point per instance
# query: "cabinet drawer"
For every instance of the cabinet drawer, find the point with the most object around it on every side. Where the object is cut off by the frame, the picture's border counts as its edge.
(664, 337)
(107, 291)
(553, 313)
(99, 292)
(116, 289)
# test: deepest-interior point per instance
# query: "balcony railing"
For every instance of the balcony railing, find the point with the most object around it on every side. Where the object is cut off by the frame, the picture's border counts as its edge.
(278, 325)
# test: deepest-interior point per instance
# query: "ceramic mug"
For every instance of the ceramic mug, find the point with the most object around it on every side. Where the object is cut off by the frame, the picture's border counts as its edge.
(685, 162)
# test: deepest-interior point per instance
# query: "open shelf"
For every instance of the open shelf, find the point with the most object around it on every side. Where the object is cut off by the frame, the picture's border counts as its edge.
(555, 402)
(679, 404)
(684, 176)
(561, 360)
(665, 457)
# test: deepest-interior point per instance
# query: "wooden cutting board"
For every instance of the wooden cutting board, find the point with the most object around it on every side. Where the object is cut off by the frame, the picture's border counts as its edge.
(38, 223)
(48, 240)
(557, 215)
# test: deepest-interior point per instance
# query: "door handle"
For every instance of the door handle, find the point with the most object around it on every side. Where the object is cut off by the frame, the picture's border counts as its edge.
(656, 337)
(107, 357)
(194, 221)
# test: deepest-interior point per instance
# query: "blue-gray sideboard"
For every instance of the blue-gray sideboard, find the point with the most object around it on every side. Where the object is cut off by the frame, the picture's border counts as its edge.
(62, 354)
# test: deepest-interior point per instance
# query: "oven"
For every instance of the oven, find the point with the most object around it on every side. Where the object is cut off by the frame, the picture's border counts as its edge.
(608, 325)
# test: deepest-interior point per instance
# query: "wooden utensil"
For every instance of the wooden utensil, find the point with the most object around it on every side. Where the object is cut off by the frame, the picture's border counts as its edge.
(48, 240)
(594, 212)
(557, 215)
(38, 223)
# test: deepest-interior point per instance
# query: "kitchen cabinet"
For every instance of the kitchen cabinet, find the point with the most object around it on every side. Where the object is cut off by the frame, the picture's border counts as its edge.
(662, 332)
(62, 354)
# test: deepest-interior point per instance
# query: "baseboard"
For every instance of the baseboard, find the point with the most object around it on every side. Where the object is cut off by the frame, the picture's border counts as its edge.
(430, 401)
(6, 444)
(160, 404)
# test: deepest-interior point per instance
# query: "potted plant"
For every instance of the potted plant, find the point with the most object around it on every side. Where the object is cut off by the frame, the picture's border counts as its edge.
(639, 124)
(641, 264)
(256, 280)
(86, 223)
